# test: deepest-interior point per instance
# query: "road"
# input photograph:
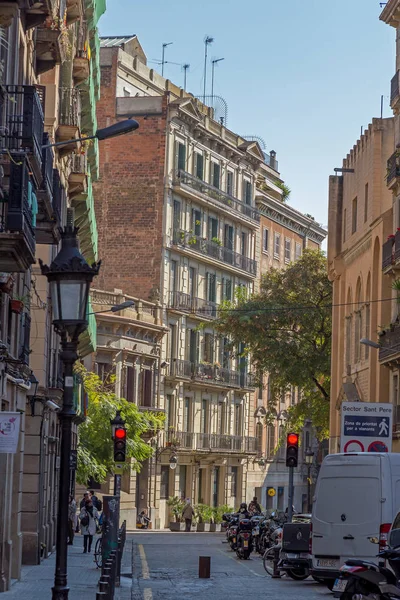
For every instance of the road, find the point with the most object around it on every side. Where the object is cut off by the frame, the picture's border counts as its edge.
(165, 567)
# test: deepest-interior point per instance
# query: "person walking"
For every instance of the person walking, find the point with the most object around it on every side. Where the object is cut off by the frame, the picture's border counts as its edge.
(88, 518)
(188, 514)
(85, 498)
(71, 520)
(97, 503)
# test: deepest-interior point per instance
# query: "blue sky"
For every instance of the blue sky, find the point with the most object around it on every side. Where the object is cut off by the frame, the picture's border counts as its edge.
(304, 75)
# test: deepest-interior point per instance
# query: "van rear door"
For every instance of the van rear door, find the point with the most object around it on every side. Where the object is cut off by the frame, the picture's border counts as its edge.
(348, 507)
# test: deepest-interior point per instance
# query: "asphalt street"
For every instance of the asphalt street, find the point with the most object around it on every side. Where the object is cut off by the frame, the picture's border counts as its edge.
(165, 566)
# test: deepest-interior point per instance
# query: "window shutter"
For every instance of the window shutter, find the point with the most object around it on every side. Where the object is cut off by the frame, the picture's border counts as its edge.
(199, 166)
(181, 156)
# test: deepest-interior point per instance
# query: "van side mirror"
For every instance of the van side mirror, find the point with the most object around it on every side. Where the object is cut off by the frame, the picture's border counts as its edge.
(373, 540)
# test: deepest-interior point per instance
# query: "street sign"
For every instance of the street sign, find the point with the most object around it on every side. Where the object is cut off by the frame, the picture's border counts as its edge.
(366, 427)
(271, 492)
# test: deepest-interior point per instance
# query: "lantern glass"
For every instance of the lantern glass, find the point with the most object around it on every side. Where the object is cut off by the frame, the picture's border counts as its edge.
(69, 299)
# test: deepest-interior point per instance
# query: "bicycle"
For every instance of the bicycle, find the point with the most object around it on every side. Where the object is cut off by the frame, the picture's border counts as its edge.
(98, 549)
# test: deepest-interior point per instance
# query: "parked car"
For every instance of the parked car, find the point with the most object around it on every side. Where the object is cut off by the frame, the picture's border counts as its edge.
(356, 499)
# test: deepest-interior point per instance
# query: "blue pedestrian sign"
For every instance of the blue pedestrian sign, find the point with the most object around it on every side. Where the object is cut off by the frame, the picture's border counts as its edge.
(366, 427)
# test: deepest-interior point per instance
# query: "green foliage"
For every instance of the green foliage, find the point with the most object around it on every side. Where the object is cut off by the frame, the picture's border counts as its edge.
(204, 513)
(286, 191)
(219, 511)
(176, 505)
(286, 328)
(95, 446)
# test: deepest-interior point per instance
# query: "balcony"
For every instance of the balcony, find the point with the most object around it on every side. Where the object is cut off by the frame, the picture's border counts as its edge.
(77, 179)
(185, 303)
(69, 120)
(390, 345)
(198, 188)
(51, 47)
(395, 92)
(81, 64)
(182, 439)
(48, 219)
(393, 170)
(226, 443)
(215, 251)
(17, 220)
(22, 125)
(181, 369)
(75, 11)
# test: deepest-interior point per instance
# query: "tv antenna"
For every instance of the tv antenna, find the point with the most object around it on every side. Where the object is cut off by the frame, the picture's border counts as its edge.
(214, 62)
(207, 41)
(165, 44)
(185, 68)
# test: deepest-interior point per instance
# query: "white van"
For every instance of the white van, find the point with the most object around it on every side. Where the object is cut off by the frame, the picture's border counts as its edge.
(356, 498)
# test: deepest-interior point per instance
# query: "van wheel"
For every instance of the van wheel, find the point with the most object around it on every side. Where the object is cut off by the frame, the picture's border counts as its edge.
(298, 574)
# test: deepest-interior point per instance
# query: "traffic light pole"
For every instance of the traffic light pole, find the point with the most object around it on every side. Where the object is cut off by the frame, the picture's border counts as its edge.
(291, 494)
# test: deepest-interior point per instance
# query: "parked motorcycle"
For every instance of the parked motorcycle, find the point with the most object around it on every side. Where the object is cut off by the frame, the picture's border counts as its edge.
(244, 544)
(232, 521)
(364, 580)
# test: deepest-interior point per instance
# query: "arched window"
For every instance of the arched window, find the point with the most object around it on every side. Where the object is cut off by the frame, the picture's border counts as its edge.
(259, 437)
(367, 315)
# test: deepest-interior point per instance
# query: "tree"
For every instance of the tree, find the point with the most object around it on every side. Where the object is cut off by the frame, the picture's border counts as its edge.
(95, 446)
(286, 329)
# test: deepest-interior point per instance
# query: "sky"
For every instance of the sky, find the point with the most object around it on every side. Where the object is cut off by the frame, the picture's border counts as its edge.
(304, 75)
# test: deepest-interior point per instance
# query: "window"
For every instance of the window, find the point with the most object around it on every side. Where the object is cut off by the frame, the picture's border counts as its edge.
(247, 192)
(173, 277)
(221, 418)
(229, 183)
(192, 282)
(200, 487)
(169, 412)
(177, 215)
(224, 353)
(212, 228)
(186, 415)
(288, 250)
(130, 384)
(366, 203)
(277, 245)
(297, 251)
(238, 419)
(367, 328)
(196, 221)
(181, 156)
(216, 174)
(208, 347)
(199, 165)
(271, 441)
(104, 371)
(211, 287)
(227, 289)
(172, 341)
(259, 436)
(164, 483)
(204, 416)
(354, 216)
(192, 345)
(234, 481)
(243, 243)
(147, 388)
(265, 239)
(344, 224)
(228, 237)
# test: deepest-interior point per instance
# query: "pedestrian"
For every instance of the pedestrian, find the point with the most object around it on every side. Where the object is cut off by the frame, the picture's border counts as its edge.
(88, 517)
(243, 512)
(97, 503)
(71, 519)
(188, 514)
(85, 498)
(254, 507)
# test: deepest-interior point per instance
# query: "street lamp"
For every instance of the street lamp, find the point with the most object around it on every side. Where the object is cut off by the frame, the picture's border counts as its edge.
(120, 128)
(173, 460)
(370, 343)
(115, 308)
(309, 457)
(32, 392)
(69, 277)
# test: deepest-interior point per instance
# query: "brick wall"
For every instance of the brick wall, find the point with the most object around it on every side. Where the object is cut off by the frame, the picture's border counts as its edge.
(129, 197)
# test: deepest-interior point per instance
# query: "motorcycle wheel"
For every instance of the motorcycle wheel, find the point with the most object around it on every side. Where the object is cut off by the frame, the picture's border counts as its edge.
(246, 554)
(318, 579)
(268, 561)
(298, 574)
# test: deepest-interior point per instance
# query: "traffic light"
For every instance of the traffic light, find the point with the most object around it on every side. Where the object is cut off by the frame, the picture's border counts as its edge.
(119, 444)
(292, 449)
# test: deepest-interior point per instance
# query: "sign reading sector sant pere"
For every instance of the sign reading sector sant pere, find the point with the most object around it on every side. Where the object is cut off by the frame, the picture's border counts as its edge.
(366, 427)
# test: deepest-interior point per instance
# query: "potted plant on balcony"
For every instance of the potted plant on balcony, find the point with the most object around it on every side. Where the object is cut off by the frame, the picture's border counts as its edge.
(204, 515)
(176, 506)
(18, 303)
(217, 241)
(6, 282)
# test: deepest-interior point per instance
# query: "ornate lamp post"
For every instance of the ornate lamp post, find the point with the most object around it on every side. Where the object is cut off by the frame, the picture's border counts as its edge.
(309, 457)
(69, 277)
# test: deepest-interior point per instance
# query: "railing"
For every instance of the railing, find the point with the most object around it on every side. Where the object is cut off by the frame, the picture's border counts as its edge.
(199, 306)
(271, 161)
(180, 301)
(393, 168)
(228, 443)
(397, 245)
(19, 214)
(390, 343)
(388, 253)
(182, 177)
(181, 368)
(214, 250)
(70, 107)
(47, 168)
(394, 87)
(183, 439)
(22, 123)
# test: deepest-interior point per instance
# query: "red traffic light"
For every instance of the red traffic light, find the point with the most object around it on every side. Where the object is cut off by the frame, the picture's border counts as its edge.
(120, 434)
(293, 438)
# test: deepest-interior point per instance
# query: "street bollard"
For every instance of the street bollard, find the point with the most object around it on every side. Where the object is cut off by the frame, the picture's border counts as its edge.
(276, 573)
(101, 596)
(204, 567)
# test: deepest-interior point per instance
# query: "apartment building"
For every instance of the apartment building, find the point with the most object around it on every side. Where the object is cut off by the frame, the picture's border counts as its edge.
(48, 91)
(360, 252)
(178, 223)
(284, 233)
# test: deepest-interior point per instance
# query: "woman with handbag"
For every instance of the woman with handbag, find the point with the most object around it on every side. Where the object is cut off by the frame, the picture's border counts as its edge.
(88, 517)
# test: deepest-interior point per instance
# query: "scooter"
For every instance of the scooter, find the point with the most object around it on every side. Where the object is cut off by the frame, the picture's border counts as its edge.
(244, 545)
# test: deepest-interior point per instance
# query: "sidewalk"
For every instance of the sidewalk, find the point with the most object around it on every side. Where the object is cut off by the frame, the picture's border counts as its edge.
(36, 581)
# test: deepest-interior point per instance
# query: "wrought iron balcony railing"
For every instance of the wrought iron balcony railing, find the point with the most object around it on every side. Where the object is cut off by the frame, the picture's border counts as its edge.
(181, 368)
(186, 303)
(20, 211)
(214, 250)
(70, 107)
(213, 193)
(393, 168)
(388, 253)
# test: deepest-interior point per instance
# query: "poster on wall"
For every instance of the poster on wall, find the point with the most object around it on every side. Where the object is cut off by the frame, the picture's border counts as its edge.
(9, 432)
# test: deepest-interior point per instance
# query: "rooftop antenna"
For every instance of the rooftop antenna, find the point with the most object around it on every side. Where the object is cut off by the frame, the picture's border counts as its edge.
(214, 62)
(185, 68)
(207, 41)
(165, 44)
(382, 106)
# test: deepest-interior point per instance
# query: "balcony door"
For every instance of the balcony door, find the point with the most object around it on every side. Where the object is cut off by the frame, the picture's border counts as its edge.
(192, 282)
(186, 425)
(211, 287)
(212, 228)
(192, 347)
(204, 416)
(216, 486)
